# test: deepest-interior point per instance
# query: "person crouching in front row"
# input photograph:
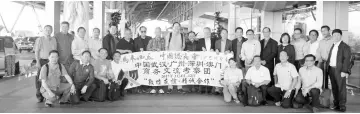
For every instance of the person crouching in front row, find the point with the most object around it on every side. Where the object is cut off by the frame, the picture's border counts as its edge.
(50, 77)
(83, 75)
(285, 78)
(258, 76)
(233, 77)
(311, 78)
(117, 68)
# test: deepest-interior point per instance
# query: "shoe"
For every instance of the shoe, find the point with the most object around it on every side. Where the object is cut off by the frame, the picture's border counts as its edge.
(161, 91)
(40, 100)
(64, 103)
(169, 91)
(315, 110)
(48, 105)
(342, 109)
(216, 93)
(153, 91)
(264, 103)
(181, 91)
(335, 108)
(237, 101)
(278, 103)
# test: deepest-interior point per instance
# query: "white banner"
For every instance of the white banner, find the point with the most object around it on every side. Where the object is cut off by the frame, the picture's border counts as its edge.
(174, 68)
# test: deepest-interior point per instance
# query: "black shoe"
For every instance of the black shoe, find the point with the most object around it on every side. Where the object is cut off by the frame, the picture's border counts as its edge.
(48, 105)
(216, 93)
(122, 94)
(40, 100)
(62, 103)
(335, 108)
(342, 109)
(264, 103)
(169, 91)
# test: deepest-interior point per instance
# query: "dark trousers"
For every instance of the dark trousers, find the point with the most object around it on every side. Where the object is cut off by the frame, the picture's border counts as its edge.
(325, 74)
(314, 93)
(205, 89)
(271, 70)
(90, 89)
(298, 64)
(338, 86)
(244, 85)
(278, 95)
(124, 83)
(37, 81)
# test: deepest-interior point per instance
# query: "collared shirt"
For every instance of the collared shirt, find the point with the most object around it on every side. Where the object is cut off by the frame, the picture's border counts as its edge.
(83, 74)
(334, 54)
(78, 46)
(324, 48)
(311, 76)
(117, 67)
(44, 46)
(258, 75)
(285, 74)
(208, 44)
(233, 75)
(300, 48)
(64, 42)
(103, 68)
(223, 44)
(94, 46)
(156, 44)
(250, 48)
(311, 48)
(53, 79)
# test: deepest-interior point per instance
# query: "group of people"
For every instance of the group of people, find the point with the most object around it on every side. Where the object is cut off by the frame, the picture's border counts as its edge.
(297, 69)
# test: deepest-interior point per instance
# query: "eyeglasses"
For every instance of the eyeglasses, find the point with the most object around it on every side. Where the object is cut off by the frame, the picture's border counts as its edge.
(143, 31)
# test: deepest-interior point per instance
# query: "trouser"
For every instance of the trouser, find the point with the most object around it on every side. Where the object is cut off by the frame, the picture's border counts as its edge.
(10, 65)
(230, 91)
(244, 87)
(338, 86)
(325, 74)
(278, 95)
(124, 83)
(314, 93)
(298, 64)
(90, 89)
(37, 81)
(271, 70)
(63, 91)
(205, 89)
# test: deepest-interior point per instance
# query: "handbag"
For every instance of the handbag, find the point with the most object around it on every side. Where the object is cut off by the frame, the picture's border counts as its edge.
(114, 91)
(254, 96)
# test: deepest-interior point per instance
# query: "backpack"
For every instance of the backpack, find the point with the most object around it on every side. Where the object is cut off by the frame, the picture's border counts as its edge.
(325, 98)
(114, 88)
(182, 39)
(99, 94)
(254, 96)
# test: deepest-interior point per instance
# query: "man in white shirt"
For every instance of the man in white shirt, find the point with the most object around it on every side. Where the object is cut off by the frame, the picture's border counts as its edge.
(79, 44)
(286, 77)
(95, 43)
(258, 76)
(339, 69)
(312, 45)
(299, 45)
(231, 81)
(311, 80)
(249, 49)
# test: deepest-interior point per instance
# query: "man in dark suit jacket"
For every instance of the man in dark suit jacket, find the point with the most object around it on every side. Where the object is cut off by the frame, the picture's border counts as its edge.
(110, 41)
(224, 39)
(339, 68)
(238, 41)
(268, 52)
(202, 42)
(142, 41)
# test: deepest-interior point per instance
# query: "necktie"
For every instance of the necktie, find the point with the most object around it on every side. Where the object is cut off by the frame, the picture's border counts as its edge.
(329, 57)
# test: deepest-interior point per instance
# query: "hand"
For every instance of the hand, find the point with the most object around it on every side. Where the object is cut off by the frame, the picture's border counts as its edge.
(344, 74)
(296, 92)
(203, 49)
(141, 49)
(217, 52)
(83, 90)
(305, 91)
(106, 81)
(238, 83)
(287, 94)
(211, 50)
(51, 94)
(257, 85)
(129, 51)
(119, 82)
(72, 89)
(239, 56)
(38, 65)
(263, 62)
(226, 52)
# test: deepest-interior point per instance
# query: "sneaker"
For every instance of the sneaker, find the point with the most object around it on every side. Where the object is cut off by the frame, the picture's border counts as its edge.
(278, 103)
(48, 105)
(237, 101)
(169, 91)
(153, 91)
(181, 91)
(161, 91)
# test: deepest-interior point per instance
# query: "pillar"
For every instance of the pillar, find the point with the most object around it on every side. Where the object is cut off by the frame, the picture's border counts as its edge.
(52, 10)
(231, 21)
(99, 14)
(273, 20)
(334, 14)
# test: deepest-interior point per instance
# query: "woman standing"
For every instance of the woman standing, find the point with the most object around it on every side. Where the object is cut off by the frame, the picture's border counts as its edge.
(157, 44)
(287, 47)
(10, 57)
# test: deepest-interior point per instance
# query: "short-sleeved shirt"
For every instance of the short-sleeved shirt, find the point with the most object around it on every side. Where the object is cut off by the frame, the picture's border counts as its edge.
(156, 44)
(233, 75)
(94, 46)
(53, 79)
(102, 68)
(125, 45)
(285, 73)
(44, 46)
(258, 75)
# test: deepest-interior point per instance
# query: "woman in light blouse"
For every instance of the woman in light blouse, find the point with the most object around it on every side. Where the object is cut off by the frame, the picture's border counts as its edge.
(231, 81)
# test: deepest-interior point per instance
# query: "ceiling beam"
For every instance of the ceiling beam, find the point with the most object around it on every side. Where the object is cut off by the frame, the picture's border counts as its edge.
(162, 10)
(134, 7)
(31, 3)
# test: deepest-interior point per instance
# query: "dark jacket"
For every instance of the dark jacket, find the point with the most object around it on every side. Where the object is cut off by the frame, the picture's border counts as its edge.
(289, 49)
(201, 44)
(108, 43)
(342, 59)
(228, 46)
(191, 46)
(81, 75)
(234, 47)
(141, 43)
(269, 52)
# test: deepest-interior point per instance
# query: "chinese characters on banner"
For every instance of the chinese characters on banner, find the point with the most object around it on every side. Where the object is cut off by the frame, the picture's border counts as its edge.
(174, 68)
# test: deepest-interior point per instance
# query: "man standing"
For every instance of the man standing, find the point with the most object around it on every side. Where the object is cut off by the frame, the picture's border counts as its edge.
(95, 43)
(79, 44)
(224, 44)
(268, 52)
(126, 45)
(323, 51)
(207, 43)
(249, 49)
(64, 41)
(236, 46)
(43, 46)
(299, 44)
(312, 45)
(142, 41)
(110, 41)
(339, 67)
